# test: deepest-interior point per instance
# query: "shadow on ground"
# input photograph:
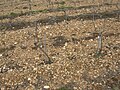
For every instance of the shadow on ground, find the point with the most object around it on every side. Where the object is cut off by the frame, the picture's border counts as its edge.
(13, 15)
(57, 19)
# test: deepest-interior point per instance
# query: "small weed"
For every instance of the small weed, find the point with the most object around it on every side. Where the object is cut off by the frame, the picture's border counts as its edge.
(68, 86)
(116, 88)
(44, 11)
(99, 54)
(63, 88)
(59, 41)
(2, 27)
(12, 14)
(65, 7)
(2, 50)
(61, 3)
(11, 47)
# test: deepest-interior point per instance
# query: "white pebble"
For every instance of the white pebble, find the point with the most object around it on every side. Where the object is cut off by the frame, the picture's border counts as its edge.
(91, 39)
(46, 87)
(53, 57)
(47, 27)
(15, 43)
(66, 44)
(0, 55)
(35, 69)
(29, 79)
(50, 34)
(64, 47)
(11, 70)
(75, 88)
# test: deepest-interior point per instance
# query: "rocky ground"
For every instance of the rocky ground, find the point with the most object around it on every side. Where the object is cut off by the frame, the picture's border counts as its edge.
(57, 48)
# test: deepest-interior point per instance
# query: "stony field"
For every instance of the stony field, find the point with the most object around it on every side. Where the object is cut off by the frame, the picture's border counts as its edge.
(54, 43)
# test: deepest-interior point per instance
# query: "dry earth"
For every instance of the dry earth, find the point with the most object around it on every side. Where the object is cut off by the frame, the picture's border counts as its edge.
(61, 50)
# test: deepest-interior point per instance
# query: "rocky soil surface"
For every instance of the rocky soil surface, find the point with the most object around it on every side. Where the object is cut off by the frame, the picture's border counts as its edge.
(58, 48)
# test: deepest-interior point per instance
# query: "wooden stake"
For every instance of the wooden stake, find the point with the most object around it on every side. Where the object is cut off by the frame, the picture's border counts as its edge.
(30, 7)
(99, 43)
